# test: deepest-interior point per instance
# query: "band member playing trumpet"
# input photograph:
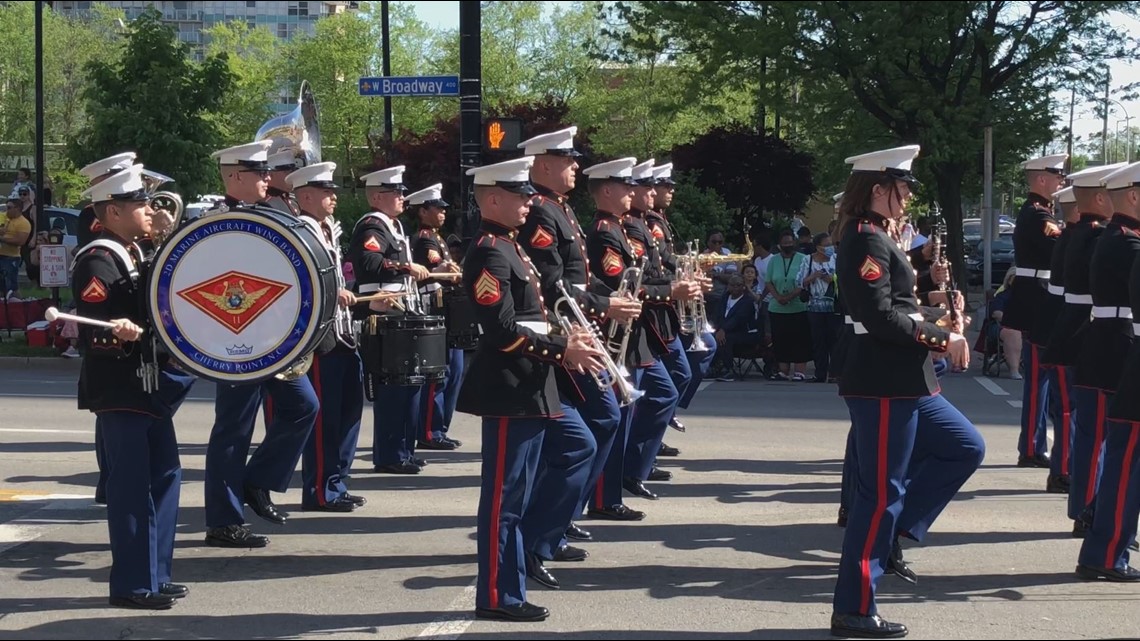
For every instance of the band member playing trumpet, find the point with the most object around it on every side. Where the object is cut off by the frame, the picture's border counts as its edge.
(511, 384)
(140, 448)
(436, 404)
(292, 404)
(381, 260)
(336, 373)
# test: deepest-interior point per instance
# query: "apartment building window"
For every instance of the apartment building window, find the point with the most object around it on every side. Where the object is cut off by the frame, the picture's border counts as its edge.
(298, 8)
(250, 3)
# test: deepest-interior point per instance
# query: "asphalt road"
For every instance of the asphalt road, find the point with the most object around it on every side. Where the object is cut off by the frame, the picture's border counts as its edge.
(742, 543)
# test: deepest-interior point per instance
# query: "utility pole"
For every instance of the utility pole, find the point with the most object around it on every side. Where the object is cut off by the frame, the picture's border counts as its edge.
(470, 109)
(386, 67)
(1104, 133)
(988, 219)
(39, 168)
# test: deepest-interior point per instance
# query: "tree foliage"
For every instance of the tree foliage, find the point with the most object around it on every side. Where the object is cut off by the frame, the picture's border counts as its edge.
(158, 103)
(254, 57)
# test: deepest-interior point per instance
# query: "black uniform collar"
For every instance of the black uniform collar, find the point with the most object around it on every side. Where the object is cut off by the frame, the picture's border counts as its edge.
(232, 202)
(549, 193)
(876, 218)
(606, 214)
(1126, 221)
(637, 213)
(1089, 217)
(107, 234)
(657, 212)
(275, 192)
(495, 229)
(1040, 201)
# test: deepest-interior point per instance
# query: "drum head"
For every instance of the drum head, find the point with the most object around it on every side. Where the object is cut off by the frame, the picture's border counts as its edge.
(237, 297)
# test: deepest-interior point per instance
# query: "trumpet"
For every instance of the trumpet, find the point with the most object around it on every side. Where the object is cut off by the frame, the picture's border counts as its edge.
(616, 374)
(628, 288)
(689, 311)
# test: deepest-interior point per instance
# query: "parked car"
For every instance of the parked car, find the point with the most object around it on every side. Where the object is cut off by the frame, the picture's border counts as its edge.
(1001, 260)
(68, 220)
(972, 229)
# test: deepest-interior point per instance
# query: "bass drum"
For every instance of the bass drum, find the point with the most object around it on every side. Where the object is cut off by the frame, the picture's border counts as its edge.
(237, 297)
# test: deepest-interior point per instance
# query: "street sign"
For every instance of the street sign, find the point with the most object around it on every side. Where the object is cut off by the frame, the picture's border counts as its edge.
(502, 134)
(53, 266)
(410, 86)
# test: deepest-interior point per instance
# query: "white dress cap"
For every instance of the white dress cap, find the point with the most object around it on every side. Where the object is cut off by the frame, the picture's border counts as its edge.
(556, 143)
(430, 196)
(642, 174)
(1123, 178)
(108, 165)
(252, 155)
(318, 175)
(620, 170)
(1054, 164)
(127, 185)
(663, 174)
(893, 162)
(1092, 177)
(391, 179)
(512, 175)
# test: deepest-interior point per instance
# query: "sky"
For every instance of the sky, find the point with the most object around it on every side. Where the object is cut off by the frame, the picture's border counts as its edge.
(446, 15)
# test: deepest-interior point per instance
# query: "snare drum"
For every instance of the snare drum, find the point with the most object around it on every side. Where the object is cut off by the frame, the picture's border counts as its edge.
(462, 326)
(404, 350)
(238, 297)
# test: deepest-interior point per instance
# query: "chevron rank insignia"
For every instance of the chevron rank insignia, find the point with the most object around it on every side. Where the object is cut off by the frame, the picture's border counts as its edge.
(870, 270)
(372, 244)
(95, 292)
(541, 238)
(1051, 229)
(434, 257)
(658, 233)
(638, 248)
(611, 262)
(487, 289)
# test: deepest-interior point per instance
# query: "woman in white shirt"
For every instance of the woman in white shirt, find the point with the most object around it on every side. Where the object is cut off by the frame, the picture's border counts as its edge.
(817, 276)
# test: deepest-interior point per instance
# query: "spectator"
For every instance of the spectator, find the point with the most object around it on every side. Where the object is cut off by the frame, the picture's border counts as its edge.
(736, 323)
(720, 273)
(17, 228)
(923, 234)
(791, 334)
(23, 179)
(804, 240)
(1010, 338)
(28, 206)
(817, 276)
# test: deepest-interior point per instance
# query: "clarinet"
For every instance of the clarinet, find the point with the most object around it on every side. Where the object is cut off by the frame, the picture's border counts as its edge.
(939, 241)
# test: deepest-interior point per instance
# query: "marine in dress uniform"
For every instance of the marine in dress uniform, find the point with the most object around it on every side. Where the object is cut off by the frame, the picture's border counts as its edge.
(670, 371)
(436, 402)
(699, 362)
(511, 384)
(890, 387)
(88, 229)
(140, 449)
(381, 258)
(1035, 234)
(231, 481)
(279, 194)
(336, 372)
(1069, 333)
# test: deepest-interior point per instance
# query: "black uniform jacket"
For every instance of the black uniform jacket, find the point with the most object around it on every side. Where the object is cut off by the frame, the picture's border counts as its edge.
(660, 316)
(1100, 362)
(512, 374)
(1072, 324)
(889, 354)
(1034, 235)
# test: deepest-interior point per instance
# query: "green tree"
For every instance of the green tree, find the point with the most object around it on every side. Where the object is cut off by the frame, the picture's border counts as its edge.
(254, 59)
(158, 103)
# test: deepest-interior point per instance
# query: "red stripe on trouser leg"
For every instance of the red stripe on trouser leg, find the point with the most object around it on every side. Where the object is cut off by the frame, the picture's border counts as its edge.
(880, 504)
(430, 410)
(268, 410)
(1122, 494)
(1098, 442)
(496, 514)
(599, 494)
(1034, 382)
(319, 431)
(1066, 415)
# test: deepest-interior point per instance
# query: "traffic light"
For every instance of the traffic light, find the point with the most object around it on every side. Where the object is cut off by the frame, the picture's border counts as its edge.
(502, 135)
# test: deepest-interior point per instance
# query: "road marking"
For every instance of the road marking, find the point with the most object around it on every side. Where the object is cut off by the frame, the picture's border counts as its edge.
(13, 534)
(990, 386)
(703, 385)
(32, 430)
(33, 495)
(1016, 404)
(457, 618)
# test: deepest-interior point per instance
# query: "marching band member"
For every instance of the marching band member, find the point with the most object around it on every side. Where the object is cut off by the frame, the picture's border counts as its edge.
(141, 451)
(699, 362)
(511, 384)
(88, 229)
(670, 362)
(336, 372)
(1069, 333)
(1034, 236)
(279, 194)
(890, 387)
(381, 258)
(436, 403)
(230, 480)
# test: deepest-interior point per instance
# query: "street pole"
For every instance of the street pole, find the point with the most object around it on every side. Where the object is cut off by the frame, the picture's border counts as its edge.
(988, 219)
(386, 67)
(39, 168)
(470, 109)
(1104, 133)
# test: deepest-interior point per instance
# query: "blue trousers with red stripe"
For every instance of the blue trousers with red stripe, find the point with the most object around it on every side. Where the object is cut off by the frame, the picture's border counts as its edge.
(890, 435)
(607, 491)
(1117, 502)
(328, 455)
(1088, 447)
(512, 449)
(395, 418)
(568, 449)
(652, 413)
(291, 409)
(436, 402)
(1033, 440)
(600, 411)
(1064, 418)
(699, 363)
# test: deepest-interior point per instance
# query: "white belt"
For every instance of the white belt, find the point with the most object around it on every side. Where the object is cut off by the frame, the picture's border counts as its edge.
(538, 327)
(862, 329)
(1032, 273)
(1136, 329)
(430, 287)
(370, 288)
(1056, 290)
(580, 288)
(1112, 312)
(1078, 299)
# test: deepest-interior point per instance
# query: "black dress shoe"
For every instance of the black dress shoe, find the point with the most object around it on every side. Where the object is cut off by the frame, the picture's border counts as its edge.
(1089, 573)
(359, 501)
(436, 445)
(1080, 529)
(1134, 545)
(148, 601)
(617, 512)
(660, 475)
(677, 425)
(340, 504)
(415, 460)
(569, 553)
(865, 627)
(576, 533)
(841, 520)
(520, 612)
(100, 499)
(454, 441)
(399, 468)
(259, 501)
(1037, 460)
(1057, 484)
(665, 450)
(897, 566)
(637, 488)
(176, 590)
(537, 571)
(235, 536)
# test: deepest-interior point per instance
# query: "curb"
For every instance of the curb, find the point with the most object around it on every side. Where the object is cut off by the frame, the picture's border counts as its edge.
(57, 363)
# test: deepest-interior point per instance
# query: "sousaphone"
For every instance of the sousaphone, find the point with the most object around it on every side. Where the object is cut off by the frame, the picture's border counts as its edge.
(297, 129)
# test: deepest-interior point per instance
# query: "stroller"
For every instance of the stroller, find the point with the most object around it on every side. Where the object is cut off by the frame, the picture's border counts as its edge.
(988, 343)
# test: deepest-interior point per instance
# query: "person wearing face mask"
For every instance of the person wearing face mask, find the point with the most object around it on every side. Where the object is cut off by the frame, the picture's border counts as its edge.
(817, 275)
(890, 387)
(787, 312)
